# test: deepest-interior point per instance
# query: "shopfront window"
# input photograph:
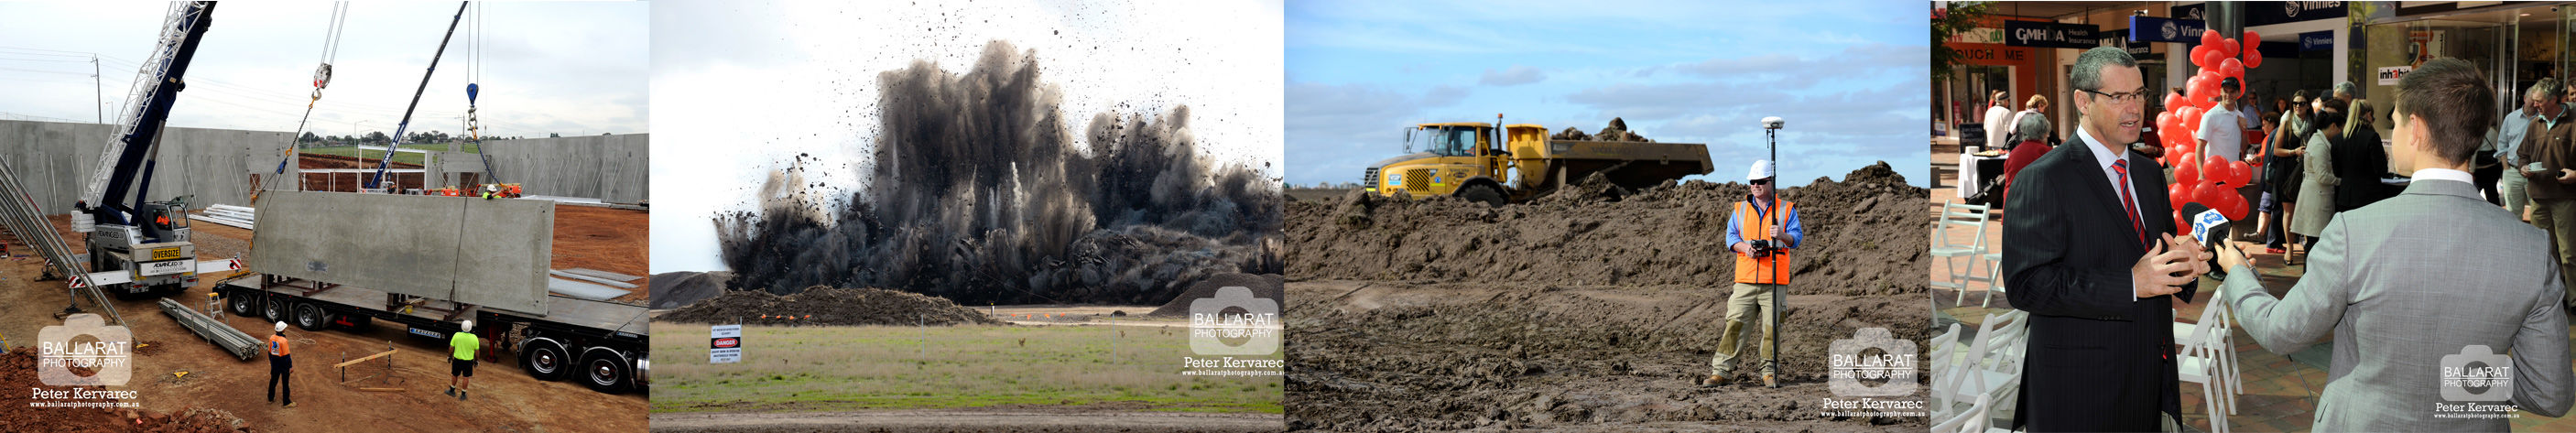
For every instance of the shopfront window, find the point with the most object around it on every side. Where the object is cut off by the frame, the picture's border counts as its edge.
(1971, 90)
(2514, 47)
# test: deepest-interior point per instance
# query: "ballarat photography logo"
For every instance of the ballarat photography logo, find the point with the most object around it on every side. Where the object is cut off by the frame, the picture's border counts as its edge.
(2476, 383)
(1233, 334)
(1872, 373)
(79, 358)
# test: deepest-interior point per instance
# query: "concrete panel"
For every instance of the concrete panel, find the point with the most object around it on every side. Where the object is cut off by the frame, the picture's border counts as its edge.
(485, 252)
(54, 160)
(607, 167)
(506, 248)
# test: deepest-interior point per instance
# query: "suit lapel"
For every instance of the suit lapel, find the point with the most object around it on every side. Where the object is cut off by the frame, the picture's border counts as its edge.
(2109, 195)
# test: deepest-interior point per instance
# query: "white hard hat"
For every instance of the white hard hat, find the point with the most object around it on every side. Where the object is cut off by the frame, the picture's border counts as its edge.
(468, 326)
(1761, 170)
(281, 326)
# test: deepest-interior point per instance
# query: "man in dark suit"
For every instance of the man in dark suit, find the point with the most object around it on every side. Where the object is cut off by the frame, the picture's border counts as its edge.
(2091, 225)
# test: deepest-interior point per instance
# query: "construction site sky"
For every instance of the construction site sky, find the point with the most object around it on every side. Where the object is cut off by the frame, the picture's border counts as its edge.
(711, 57)
(546, 68)
(1360, 72)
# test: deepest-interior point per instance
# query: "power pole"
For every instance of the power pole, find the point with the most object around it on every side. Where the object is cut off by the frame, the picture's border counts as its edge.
(98, 103)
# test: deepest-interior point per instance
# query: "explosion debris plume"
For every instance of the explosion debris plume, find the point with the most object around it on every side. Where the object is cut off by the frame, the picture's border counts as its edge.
(977, 191)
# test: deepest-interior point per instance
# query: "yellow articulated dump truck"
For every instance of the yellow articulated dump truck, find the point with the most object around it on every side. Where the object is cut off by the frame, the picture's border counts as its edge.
(1474, 161)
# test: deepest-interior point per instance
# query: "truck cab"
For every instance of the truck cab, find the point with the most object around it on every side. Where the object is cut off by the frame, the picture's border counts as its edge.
(154, 250)
(1457, 158)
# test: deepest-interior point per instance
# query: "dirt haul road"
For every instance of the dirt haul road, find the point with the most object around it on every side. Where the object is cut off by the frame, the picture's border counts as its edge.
(1589, 307)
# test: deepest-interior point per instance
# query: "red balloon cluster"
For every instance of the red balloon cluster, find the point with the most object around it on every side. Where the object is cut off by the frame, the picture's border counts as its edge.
(2211, 182)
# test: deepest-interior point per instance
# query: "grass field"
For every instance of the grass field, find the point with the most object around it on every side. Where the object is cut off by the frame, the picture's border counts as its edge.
(894, 367)
(402, 157)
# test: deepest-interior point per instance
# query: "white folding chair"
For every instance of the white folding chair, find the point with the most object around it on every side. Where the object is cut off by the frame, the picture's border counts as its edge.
(1995, 273)
(2225, 345)
(1991, 368)
(1971, 218)
(1945, 348)
(2199, 363)
(1979, 418)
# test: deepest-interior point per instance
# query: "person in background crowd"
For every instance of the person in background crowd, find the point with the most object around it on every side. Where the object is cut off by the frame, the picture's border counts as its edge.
(1998, 112)
(2316, 203)
(2281, 174)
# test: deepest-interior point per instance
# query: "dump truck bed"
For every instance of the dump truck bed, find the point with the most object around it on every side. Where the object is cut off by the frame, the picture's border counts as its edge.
(1631, 164)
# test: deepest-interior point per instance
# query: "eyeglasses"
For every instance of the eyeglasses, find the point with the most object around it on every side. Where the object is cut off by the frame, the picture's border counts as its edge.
(1761, 181)
(2121, 98)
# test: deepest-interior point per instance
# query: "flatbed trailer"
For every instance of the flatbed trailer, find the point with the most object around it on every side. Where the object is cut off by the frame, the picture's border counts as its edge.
(604, 342)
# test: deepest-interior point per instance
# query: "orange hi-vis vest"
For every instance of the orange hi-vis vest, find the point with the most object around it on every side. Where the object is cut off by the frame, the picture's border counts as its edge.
(1773, 269)
(277, 345)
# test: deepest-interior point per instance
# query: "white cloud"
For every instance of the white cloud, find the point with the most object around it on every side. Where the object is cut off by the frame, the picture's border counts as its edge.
(1516, 75)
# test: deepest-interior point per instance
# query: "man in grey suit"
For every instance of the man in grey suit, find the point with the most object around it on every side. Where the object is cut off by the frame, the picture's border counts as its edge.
(2416, 287)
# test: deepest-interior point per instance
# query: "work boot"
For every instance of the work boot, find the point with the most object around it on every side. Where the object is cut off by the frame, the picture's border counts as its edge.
(451, 390)
(290, 405)
(1715, 380)
(460, 395)
(1768, 383)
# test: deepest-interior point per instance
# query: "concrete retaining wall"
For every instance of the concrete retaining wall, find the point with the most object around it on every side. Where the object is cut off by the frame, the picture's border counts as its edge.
(54, 160)
(611, 168)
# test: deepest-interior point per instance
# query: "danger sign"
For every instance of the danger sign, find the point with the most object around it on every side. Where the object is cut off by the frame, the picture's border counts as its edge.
(724, 344)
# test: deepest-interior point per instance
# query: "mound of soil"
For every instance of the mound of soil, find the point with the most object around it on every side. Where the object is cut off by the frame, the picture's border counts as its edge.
(677, 289)
(1263, 286)
(828, 306)
(1863, 237)
(1381, 356)
(1617, 130)
(18, 372)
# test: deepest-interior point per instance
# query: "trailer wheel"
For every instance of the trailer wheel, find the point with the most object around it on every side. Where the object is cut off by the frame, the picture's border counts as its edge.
(243, 304)
(604, 370)
(310, 317)
(545, 359)
(276, 311)
(1482, 193)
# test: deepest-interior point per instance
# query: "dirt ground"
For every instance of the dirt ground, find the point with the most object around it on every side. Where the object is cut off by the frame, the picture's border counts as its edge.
(967, 420)
(1592, 307)
(607, 239)
(1440, 356)
(218, 385)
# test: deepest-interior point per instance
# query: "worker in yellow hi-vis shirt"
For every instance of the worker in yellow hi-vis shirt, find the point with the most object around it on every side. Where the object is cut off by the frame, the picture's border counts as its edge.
(462, 366)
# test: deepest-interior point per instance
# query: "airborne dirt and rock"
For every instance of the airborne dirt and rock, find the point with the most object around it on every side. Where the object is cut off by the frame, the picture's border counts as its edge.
(1591, 306)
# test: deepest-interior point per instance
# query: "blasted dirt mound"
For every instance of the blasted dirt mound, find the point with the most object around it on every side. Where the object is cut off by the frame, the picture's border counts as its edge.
(1263, 286)
(828, 306)
(678, 289)
(18, 372)
(1864, 236)
(1391, 357)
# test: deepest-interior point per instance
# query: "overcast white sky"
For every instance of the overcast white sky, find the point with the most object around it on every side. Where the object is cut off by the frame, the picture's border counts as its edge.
(759, 83)
(548, 67)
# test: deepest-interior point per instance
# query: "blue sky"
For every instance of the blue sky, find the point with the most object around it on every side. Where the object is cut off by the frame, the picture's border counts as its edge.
(1850, 78)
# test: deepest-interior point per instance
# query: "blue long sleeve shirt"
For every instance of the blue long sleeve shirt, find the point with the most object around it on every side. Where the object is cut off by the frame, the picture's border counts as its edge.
(1792, 231)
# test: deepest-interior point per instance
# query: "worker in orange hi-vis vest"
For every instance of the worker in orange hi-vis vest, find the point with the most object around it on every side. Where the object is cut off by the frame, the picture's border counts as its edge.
(281, 366)
(1761, 232)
